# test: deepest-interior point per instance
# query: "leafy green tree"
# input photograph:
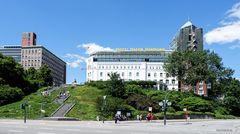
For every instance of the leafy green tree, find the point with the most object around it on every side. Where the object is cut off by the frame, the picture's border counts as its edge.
(231, 99)
(111, 105)
(133, 89)
(31, 74)
(142, 102)
(116, 86)
(191, 67)
(196, 104)
(44, 76)
(11, 72)
(9, 94)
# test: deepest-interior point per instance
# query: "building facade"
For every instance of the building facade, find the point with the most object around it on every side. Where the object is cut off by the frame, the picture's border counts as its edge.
(37, 56)
(132, 65)
(12, 51)
(29, 39)
(31, 55)
(189, 37)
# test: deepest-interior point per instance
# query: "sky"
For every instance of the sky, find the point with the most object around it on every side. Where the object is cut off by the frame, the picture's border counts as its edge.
(73, 29)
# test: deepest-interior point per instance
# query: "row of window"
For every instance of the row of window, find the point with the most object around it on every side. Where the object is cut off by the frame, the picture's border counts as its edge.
(31, 51)
(127, 67)
(137, 74)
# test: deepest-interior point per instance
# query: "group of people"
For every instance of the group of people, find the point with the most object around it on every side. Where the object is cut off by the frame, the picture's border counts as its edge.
(139, 117)
(150, 117)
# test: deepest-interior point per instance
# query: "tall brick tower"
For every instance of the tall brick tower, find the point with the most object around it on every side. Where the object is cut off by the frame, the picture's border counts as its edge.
(29, 39)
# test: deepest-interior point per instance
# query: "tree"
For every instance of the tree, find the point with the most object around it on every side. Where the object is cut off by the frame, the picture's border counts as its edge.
(44, 76)
(191, 67)
(9, 94)
(31, 74)
(11, 72)
(196, 104)
(231, 98)
(116, 86)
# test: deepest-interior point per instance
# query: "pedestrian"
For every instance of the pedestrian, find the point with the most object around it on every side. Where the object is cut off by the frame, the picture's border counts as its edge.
(97, 118)
(140, 117)
(116, 118)
(137, 117)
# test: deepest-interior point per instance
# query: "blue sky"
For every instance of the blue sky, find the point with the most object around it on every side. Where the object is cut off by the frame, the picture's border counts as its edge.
(68, 27)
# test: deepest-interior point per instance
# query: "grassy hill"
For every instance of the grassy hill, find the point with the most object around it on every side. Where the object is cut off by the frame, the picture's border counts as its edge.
(84, 98)
(35, 102)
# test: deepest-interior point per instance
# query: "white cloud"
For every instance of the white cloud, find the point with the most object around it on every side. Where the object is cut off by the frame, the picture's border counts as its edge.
(229, 29)
(74, 60)
(93, 47)
(235, 11)
(235, 47)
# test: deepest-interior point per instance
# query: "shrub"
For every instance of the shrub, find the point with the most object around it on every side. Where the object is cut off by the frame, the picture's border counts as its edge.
(196, 104)
(9, 94)
(133, 89)
(98, 84)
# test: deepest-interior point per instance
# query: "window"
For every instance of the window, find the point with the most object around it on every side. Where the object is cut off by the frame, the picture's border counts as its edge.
(161, 81)
(122, 74)
(160, 74)
(137, 74)
(149, 74)
(155, 75)
(200, 92)
(130, 74)
(167, 81)
(167, 75)
(173, 81)
(101, 74)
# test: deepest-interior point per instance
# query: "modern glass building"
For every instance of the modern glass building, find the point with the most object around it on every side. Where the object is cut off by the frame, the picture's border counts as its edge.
(131, 64)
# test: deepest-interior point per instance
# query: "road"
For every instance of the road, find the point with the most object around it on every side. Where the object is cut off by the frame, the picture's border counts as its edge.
(124, 127)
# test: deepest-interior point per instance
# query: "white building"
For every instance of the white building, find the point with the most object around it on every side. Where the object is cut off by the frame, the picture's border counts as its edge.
(131, 64)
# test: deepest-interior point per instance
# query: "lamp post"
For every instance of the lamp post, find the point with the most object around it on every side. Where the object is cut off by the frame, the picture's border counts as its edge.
(165, 104)
(104, 105)
(23, 106)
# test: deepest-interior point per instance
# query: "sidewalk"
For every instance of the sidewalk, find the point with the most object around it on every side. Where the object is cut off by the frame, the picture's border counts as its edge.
(160, 121)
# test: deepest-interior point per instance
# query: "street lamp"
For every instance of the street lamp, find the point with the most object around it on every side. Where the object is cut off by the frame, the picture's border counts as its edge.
(165, 104)
(104, 105)
(23, 106)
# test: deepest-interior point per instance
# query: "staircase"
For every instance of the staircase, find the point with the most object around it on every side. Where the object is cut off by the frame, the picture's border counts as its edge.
(63, 110)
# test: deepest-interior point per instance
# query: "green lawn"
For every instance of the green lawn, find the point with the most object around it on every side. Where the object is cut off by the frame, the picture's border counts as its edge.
(85, 99)
(13, 110)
